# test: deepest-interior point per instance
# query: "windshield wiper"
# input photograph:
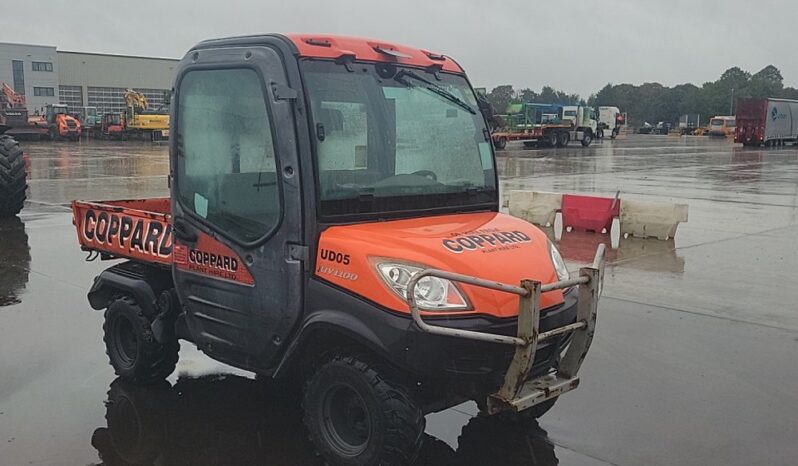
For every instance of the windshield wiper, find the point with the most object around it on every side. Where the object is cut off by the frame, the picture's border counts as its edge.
(434, 88)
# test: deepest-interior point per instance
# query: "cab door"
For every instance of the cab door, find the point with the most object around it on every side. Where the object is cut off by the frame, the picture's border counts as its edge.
(236, 203)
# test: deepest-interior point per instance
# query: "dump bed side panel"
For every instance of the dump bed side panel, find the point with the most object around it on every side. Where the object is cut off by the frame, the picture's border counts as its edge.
(136, 229)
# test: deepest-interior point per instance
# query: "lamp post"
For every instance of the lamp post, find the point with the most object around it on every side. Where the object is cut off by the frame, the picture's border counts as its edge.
(731, 103)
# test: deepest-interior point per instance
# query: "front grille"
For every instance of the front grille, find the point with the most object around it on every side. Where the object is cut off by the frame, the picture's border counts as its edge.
(71, 124)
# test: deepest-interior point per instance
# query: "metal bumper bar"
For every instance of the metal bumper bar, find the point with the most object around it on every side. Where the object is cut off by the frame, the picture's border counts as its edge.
(518, 392)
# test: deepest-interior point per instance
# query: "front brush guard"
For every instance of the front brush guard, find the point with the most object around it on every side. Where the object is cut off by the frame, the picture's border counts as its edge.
(518, 392)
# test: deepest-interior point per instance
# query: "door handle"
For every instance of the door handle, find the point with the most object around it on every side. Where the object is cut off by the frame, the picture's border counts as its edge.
(184, 232)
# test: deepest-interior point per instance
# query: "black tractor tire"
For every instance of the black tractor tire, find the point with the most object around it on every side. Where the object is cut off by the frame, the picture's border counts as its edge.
(587, 138)
(135, 354)
(615, 133)
(12, 177)
(500, 143)
(356, 414)
(52, 133)
(599, 134)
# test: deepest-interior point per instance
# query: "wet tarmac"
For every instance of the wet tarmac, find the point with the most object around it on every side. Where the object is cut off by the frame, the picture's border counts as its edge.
(695, 359)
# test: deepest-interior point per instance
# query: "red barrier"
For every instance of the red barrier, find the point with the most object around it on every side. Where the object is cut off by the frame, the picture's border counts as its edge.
(588, 213)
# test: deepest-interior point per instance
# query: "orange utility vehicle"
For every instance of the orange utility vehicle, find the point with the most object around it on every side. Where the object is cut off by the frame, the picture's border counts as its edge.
(334, 219)
(62, 125)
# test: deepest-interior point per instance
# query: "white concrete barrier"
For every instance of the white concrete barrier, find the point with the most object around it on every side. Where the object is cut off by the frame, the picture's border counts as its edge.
(535, 206)
(646, 219)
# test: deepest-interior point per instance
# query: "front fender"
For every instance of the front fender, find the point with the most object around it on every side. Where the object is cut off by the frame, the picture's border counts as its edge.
(353, 320)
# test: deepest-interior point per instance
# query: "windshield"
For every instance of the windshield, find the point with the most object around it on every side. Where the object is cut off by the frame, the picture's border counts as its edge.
(716, 122)
(393, 139)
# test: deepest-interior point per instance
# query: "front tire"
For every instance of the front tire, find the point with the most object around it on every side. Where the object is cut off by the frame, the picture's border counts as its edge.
(356, 416)
(12, 177)
(587, 138)
(132, 349)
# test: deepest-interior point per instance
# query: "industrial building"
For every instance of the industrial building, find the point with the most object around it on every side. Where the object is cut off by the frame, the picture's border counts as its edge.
(45, 75)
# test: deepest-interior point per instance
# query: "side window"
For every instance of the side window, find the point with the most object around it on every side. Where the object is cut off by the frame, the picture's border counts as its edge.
(227, 173)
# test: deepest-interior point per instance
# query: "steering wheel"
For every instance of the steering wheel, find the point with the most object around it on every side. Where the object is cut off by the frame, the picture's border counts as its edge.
(426, 174)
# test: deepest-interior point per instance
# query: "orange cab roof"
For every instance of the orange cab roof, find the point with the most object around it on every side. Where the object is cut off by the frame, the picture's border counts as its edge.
(332, 46)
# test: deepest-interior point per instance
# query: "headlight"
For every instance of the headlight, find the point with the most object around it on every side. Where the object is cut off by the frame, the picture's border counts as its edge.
(559, 264)
(432, 293)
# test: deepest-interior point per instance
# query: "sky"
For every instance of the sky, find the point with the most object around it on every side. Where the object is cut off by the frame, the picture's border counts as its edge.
(576, 46)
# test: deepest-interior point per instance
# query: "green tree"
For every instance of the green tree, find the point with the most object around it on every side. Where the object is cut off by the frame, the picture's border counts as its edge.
(501, 97)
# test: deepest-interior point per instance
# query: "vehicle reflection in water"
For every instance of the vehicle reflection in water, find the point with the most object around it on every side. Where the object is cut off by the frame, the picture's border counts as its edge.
(228, 419)
(646, 254)
(14, 260)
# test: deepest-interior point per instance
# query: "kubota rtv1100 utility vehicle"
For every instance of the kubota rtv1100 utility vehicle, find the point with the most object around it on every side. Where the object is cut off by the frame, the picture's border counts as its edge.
(334, 219)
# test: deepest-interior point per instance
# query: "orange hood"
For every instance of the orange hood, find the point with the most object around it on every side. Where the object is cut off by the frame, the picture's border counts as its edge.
(487, 245)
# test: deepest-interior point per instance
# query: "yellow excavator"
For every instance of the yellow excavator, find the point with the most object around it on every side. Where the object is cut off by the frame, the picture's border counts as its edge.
(138, 120)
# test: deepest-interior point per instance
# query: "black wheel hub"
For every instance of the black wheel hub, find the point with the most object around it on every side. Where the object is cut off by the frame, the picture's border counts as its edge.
(345, 420)
(125, 342)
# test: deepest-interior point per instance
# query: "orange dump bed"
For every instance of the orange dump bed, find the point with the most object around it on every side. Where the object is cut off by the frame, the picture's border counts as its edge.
(138, 229)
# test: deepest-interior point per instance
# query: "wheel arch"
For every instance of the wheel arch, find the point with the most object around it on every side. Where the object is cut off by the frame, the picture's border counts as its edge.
(132, 280)
(329, 329)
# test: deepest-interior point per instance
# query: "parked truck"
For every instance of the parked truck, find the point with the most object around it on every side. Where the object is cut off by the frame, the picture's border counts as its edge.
(766, 121)
(302, 244)
(610, 120)
(548, 125)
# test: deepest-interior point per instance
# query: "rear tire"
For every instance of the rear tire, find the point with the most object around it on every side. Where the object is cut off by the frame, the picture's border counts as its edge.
(355, 416)
(12, 177)
(563, 139)
(132, 349)
(552, 139)
(600, 134)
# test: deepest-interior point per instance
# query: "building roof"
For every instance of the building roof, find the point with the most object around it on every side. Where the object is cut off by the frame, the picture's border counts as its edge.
(115, 55)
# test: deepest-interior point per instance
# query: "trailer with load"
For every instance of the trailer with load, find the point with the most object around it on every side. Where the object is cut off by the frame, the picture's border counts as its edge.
(768, 122)
(548, 125)
(312, 238)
